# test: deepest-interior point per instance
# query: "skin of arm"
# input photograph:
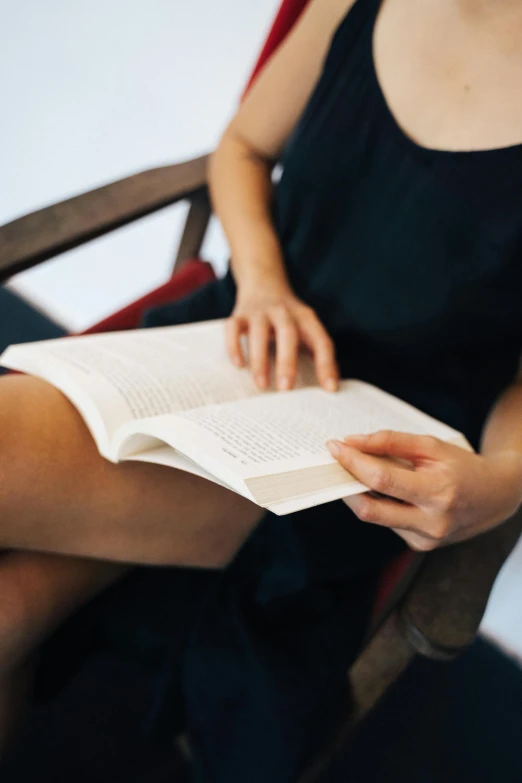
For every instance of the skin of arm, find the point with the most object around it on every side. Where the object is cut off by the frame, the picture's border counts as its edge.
(503, 428)
(240, 179)
(240, 168)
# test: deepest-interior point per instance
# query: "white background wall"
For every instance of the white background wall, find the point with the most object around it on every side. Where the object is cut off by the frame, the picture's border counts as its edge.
(94, 90)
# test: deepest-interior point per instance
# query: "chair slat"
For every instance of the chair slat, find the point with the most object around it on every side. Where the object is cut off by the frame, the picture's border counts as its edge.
(34, 238)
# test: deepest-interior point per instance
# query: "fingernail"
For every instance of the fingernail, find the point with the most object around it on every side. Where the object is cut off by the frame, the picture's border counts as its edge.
(334, 447)
(237, 361)
(261, 381)
(331, 385)
(284, 383)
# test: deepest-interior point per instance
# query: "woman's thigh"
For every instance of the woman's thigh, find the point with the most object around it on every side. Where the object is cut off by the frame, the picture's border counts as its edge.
(57, 494)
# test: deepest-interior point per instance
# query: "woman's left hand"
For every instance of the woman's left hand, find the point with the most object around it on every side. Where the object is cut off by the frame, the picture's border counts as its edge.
(442, 494)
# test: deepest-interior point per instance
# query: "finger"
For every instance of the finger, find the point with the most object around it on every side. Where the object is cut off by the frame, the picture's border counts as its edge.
(385, 512)
(381, 474)
(417, 541)
(397, 444)
(287, 346)
(406, 521)
(234, 328)
(258, 344)
(315, 336)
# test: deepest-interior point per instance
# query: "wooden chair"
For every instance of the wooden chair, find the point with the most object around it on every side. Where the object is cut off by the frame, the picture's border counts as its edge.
(429, 605)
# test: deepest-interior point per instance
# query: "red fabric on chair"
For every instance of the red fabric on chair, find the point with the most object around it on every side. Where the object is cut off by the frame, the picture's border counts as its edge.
(390, 578)
(288, 15)
(194, 274)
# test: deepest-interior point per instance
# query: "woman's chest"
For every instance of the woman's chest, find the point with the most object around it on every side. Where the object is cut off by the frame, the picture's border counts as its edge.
(451, 72)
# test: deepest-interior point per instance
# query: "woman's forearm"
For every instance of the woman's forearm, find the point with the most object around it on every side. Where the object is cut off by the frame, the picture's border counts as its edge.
(241, 189)
(502, 433)
(267, 312)
(503, 428)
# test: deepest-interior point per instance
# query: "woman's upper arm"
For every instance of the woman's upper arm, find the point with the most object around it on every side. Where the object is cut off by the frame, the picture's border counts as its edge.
(273, 106)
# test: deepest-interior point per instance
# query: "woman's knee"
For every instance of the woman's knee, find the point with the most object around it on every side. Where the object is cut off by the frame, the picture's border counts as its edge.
(17, 410)
(30, 413)
(43, 442)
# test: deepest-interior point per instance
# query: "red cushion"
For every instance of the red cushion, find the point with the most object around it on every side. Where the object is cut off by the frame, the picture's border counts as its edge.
(390, 578)
(193, 275)
(288, 15)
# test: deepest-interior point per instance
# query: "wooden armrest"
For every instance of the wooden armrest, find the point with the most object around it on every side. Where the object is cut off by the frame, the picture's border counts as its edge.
(441, 613)
(439, 618)
(34, 238)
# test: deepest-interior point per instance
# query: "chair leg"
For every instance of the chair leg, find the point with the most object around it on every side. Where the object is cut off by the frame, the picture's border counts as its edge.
(381, 662)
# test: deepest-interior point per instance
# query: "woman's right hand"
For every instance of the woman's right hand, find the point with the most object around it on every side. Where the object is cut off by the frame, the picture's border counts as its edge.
(273, 314)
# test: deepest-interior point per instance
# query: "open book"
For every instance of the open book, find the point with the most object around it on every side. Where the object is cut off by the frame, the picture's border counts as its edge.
(171, 396)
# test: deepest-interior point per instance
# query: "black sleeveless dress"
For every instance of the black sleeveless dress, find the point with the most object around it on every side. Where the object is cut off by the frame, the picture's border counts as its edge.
(412, 259)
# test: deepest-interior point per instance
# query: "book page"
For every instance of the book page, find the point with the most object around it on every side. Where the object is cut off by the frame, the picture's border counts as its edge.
(275, 443)
(142, 373)
(279, 432)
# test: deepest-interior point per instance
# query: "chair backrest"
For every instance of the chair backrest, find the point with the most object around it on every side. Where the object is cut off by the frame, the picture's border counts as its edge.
(287, 16)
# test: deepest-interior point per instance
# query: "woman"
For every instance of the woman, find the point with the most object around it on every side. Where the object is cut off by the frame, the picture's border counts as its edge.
(391, 248)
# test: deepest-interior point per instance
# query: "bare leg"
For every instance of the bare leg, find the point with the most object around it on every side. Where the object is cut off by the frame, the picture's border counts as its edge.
(37, 592)
(58, 495)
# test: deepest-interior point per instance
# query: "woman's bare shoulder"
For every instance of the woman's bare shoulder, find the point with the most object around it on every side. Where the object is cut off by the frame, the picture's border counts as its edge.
(268, 115)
